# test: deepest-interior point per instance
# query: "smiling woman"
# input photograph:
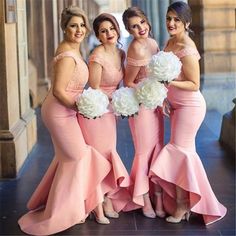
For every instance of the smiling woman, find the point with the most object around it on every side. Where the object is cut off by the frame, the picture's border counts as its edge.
(147, 127)
(106, 70)
(178, 168)
(68, 191)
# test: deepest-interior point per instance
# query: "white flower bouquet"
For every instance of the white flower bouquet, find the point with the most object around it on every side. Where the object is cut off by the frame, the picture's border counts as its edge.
(164, 66)
(92, 103)
(151, 93)
(124, 102)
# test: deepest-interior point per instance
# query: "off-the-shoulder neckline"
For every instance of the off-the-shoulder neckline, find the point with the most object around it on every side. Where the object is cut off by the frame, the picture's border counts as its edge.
(68, 51)
(97, 55)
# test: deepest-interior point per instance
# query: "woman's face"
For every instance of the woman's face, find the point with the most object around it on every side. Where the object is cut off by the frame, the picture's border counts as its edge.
(173, 24)
(75, 31)
(138, 27)
(107, 33)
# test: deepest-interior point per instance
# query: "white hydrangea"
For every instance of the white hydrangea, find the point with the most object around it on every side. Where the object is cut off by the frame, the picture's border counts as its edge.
(151, 93)
(164, 66)
(124, 102)
(92, 103)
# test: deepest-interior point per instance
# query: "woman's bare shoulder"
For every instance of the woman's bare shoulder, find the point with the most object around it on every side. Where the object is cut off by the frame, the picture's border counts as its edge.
(99, 49)
(137, 50)
(62, 47)
(187, 43)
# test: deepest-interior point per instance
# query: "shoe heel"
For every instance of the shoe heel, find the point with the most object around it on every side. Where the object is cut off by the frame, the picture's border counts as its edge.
(158, 202)
(187, 215)
(150, 213)
(103, 221)
(112, 214)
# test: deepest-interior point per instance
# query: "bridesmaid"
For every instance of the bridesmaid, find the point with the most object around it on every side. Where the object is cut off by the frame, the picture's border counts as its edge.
(147, 126)
(178, 168)
(106, 70)
(68, 190)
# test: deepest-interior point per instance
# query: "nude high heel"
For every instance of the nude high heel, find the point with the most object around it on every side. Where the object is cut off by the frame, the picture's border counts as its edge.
(148, 213)
(103, 220)
(172, 219)
(182, 205)
(108, 209)
(159, 205)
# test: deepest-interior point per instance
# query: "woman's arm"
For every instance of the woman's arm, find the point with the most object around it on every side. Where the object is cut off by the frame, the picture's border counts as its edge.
(130, 75)
(191, 71)
(137, 52)
(64, 69)
(95, 75)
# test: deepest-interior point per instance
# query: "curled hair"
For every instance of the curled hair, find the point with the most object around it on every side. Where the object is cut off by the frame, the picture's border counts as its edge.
(106, 17)
(134, 11)
(184, 13)
(71, 11)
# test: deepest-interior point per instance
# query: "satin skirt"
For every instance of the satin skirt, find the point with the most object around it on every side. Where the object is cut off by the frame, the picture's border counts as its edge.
(147, 129)
(101, 134)
(68, 190)
(178, 164)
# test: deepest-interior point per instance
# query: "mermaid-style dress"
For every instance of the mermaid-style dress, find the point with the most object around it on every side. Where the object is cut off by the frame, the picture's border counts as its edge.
(101, 134)
(178, 164)
(68, 190)
(147, 129)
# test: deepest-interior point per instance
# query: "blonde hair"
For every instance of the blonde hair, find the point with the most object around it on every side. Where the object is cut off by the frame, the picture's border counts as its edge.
(71, 11)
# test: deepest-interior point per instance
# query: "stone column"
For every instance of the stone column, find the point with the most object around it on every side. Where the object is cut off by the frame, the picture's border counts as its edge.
(227, 134)
(17, 120)
(215, 36)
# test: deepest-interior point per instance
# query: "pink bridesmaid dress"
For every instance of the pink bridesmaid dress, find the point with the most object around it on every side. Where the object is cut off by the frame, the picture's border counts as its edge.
(178, 164)
(147, 129)
(68, 190)
(101, 134)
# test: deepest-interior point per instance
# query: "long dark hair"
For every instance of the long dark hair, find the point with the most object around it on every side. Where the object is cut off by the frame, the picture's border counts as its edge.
(184, 13)
(106, 17)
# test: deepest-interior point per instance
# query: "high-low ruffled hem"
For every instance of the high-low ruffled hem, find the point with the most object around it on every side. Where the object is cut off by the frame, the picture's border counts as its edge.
(116, 183)
(141, 181)
(176, 166)
(66, 194)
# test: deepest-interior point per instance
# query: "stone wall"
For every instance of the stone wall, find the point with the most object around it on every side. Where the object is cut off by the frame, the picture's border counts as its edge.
(17, 119)
(215, 35)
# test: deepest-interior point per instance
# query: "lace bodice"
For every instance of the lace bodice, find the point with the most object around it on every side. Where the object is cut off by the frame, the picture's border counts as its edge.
(80, 75)
(111, 76)
(187, 51)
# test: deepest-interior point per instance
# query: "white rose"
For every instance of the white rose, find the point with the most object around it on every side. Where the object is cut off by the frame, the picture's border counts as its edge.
(164, 66)
(151, 93)
(124, 102)
(92, 103)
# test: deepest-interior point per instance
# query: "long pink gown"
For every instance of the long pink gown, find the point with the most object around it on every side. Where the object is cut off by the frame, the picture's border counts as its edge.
(68, 190)
(101, 134)
(178, 164)
(147, 129)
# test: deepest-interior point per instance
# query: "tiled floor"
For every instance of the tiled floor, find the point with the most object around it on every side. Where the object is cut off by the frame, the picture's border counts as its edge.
(219, 165)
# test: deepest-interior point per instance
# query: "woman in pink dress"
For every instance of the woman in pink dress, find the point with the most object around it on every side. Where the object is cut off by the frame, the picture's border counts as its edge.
(178, 168)
(147, 127)
(106, 71)
(68, 190)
